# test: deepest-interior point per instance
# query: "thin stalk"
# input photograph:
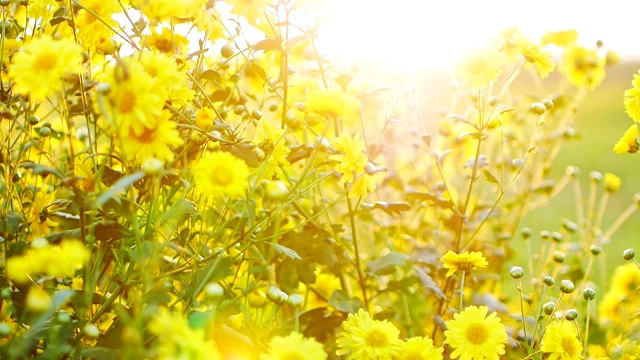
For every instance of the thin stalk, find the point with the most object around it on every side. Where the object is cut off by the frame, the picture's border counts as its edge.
(462, 278)
(361, 279)
(524, 322)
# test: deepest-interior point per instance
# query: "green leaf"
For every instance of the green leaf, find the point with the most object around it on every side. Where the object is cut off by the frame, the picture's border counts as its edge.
(286, 251)
(246, 208)
(427, 282)
(12, 223)
(179, 212)
(390, 208)
(200, 320)
(121, 184)
(341, 301)
(269, 44)
(211, 75)
(42, 170)
(387, 263)
(490, 177)
(213, 272)
(100, 353)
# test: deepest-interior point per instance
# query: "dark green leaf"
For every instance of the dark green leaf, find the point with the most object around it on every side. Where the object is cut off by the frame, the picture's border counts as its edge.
(179, 212)
(213, 272)
(121, 184)
(387, 263)
(42, 170)
(341, 301)
(211, 75)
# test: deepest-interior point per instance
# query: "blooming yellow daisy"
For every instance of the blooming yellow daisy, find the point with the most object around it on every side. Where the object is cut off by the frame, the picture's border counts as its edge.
(153, 142)
(269, 138)
(167, 41)
(294, 347)
(560, 340)
(475, 336)
(94, 22)
(132, 101)
(562, 38)
(333, 103)
(535, 55)
(481, 67)
(628, 143)
(419, 348)
(221, 174)
(40, 66)
(632, 99)
(463, 262)
(364, 338)
(352, 160)
(583, 67)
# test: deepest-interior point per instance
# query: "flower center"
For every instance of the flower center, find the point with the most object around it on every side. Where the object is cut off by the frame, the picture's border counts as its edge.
(376, 338)
(477, 333)
(568, 345)
(147, 137)
(45, 62)
(127, 101)
(222, 176)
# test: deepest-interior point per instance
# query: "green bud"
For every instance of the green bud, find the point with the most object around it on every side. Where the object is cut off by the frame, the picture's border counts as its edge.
(566, 286)
(276, 295)
(300, 106)
(595, 176)
(152, 166)
(5, 329)
(559, 256)
(516, 272)
(589, 294)
(556, 236)
(90, 330)
(548, 280)
(569, 225)
(571, 315)
(548, 103)
(545, 235)
(44, 131)
(273, 106)
(296, 300)
(213, 291)
(595, 250)
(526, 233)
(573, 171)
(6, 293)
(548, 307)
(538, 108)
(628, 254)
(256, 114)
(63, 317)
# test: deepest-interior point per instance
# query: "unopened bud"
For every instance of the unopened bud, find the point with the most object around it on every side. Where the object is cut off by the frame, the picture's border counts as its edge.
(559, 256)
(538, 108)
(548, 280)
(276, 295)
(595, 250)
(295, 300)
(571, 315)
(595, 176)
(566, 286)
(516, 272)
(589, 294)
(548, 307)
(628, 254)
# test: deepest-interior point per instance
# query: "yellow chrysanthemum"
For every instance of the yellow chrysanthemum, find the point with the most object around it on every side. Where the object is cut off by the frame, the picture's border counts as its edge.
(480, 68)
(364, 338)
(167, 42)
(39, 68)
(475, 336)
(632, 99)
(167, 9)
(626, 280)
(55, 260)
(628, 143)
(364, 184)
(419, 348)
(132, 102)
(333, 103)
(352, 160)
(533, 54)
(560, 340)
(562, 38)
(268, 137)
(170, 81)
(251, 10)
(583, 67)
(94, 22)
(205, 118)
(294, 347)
(153, 142)
(177, 340)
(221, 174)
(463, 262)
(39, 222)
(612, 182)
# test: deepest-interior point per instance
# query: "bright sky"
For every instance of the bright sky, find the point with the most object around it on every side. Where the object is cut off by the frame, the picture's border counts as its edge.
(410, 34)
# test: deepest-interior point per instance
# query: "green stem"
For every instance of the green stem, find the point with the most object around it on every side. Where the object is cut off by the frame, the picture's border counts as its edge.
(361, 280)
(462, 290)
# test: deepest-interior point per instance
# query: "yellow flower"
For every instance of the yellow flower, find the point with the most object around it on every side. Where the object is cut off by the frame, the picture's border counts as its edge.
(252, 10)
(364, 338)
(170, 81)
(632, 99)
(168, 9)
(562, 38)
(153, 142)
(419, 348)
(94, 22)
(39, 68)
(463, 262)
(583, 67)
(37, 299)
(55, 260)
(205, 118)
(221, 174)
(626, 280)
(611, 182)
(535, 55)
(481, 67)
(476, 336)
(628, 143)
(364, 184)
(179, 341)
(37, 218)
(167, 42)
(333, 103)
(294, 346)
(132, 101)
(353, 158)
(268, 137)
(561, 341)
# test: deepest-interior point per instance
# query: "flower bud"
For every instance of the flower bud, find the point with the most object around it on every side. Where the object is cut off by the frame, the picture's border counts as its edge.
(296, 300)
(516, 272)
(611, 182)
(256, 114)
(152, 166)
(556, 236)
(569, 225)
(276, 190)
(91, 331)
(589, 294)
(573, 171)
(595, 250)
(595, 176)
(559, 256)
(63, 317)
(276, 295)
(538, 108)
(257, 299)
(213, 291)
(628, 254)
(571, 314)
(5, 329)
(566, 286)
(526, 233)
(545, 235)
(548, 307)
(548, 280)
(548, 103)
